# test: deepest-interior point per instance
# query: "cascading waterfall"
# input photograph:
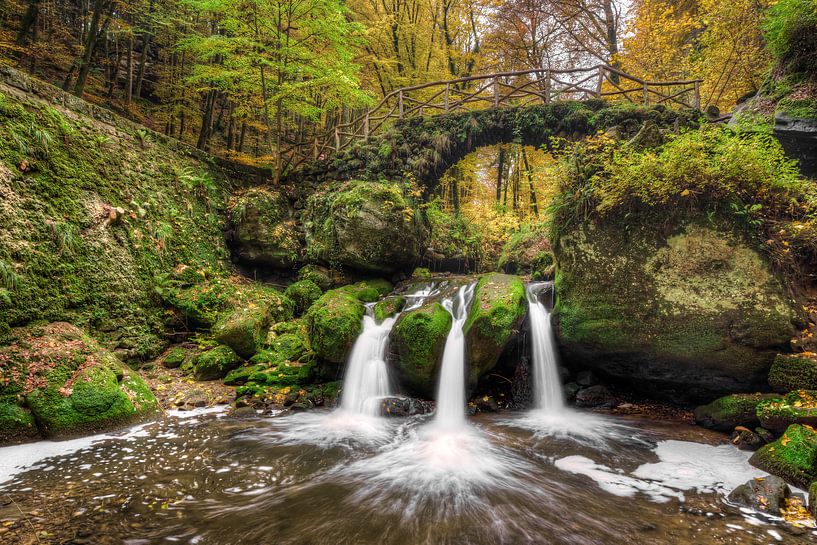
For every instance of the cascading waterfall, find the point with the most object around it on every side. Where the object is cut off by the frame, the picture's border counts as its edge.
(367, 377)
(451, 389)
(547, 386)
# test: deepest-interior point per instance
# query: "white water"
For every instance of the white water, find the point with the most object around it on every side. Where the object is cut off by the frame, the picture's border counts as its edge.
(547, 385)
(451, 389)
(367, 377)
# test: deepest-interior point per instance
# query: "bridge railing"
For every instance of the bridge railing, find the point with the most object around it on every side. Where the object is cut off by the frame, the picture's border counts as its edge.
(518, 88)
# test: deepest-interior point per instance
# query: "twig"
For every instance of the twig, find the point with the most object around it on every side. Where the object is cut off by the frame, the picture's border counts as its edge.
(25, 517)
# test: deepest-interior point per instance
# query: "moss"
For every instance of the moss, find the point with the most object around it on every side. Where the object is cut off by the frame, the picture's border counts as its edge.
(793, 457)
(316, 274)
(799, 407)
(528, 252)
(421, 273)
(215, 363)
(334, 322)
(71, 384)
(16, 423)
(303, 294)
(727, 412)
(368, 291)
(494, 318)
(388, 307)
(244, 329)
(242, 374)
(75, 256)
(367, 226)
(264, 230)
(793, 372)
(418, 338)
(175, 358)
(284, 374)
(798, 109)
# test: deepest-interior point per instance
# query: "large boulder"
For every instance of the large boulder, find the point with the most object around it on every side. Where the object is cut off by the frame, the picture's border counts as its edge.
(793, 457)
(793, 372)
(692, 306)
(418, 340)
(766, 494)
(497, 311)
(264, 229)
(335, 320)
(216, 363)
(727, 412)
(366, 226)
(69, 383)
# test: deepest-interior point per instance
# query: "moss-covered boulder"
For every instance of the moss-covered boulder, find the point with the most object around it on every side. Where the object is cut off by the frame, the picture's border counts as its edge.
(175, 357)
(727, 412)
(335, 320)
(303, 293)
(528, 252)
(793, 457)
(264, 229)
(16, 423)
(799, 407)
(215, 363)
(418, 340)
(321, 276)
(793, 372)
(366, 226)
(692, 305)
(388, 307)
(244, 329)
(497, 311)
(70, 384)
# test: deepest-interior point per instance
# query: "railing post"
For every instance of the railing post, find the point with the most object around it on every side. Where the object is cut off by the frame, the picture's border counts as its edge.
(400, 104)
(337, 138)
(496, 92)
(447, 93)
(697, 95)
(600, 82)
(547, 87)
(366, 127)
(646, 95)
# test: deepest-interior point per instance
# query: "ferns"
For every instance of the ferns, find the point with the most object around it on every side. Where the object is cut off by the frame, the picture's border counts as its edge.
(65, 235)
(9, 279)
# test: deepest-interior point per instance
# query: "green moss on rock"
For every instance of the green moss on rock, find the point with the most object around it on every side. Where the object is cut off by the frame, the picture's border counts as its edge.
(418, 338)
(303, 294)
(691, 305)
(528, 252)
(494, 318)
(244, 329)
(793, 372)
(264, 230)
(334, 322)
(16, 423)
(367, 226)
(799, 407)
(727, 412)
(793, 457)
(321, 276)
(215, 363)
(388, 307)
(175, 357)
(71, 384)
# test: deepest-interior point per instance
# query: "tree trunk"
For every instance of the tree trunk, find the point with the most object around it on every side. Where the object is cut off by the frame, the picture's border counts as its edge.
(28, 21)
(90, 45)
(533, 203)
(206, 120)
(140, 74)
(499, 173)
(129, 85)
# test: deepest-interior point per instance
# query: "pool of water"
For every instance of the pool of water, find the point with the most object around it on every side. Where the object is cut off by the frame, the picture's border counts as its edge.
(333, 478)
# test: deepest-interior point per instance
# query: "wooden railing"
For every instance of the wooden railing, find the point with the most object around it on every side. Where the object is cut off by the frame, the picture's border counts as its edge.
(520, 88)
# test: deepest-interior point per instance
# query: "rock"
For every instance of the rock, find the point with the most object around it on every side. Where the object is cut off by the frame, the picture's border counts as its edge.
(697, 310)
(598, 397)
(367, 226)
(215, 363)
(405, 406)
(570, 390)
(585, 378)
(264, 230)
(70, 384)
(303, 294)
(191, 399)
(16, 423)
(244, 329)
(726, 412)
(793, 457)
(321, 276)
(765, 494)
(648, 137)
(418, 339)
(242, 374)
(497, 311)
(388, 307)
(486, 404)
(746, 439)
(175, 357)
(812, 499)
(528, 252)
(334, 322)
(764, 434)
(798, 407)
(243, 412)
(793, 372)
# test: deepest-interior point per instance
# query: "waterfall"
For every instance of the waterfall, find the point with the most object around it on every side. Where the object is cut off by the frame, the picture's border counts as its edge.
(367, 377)
(451, 389)
(547, 386)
